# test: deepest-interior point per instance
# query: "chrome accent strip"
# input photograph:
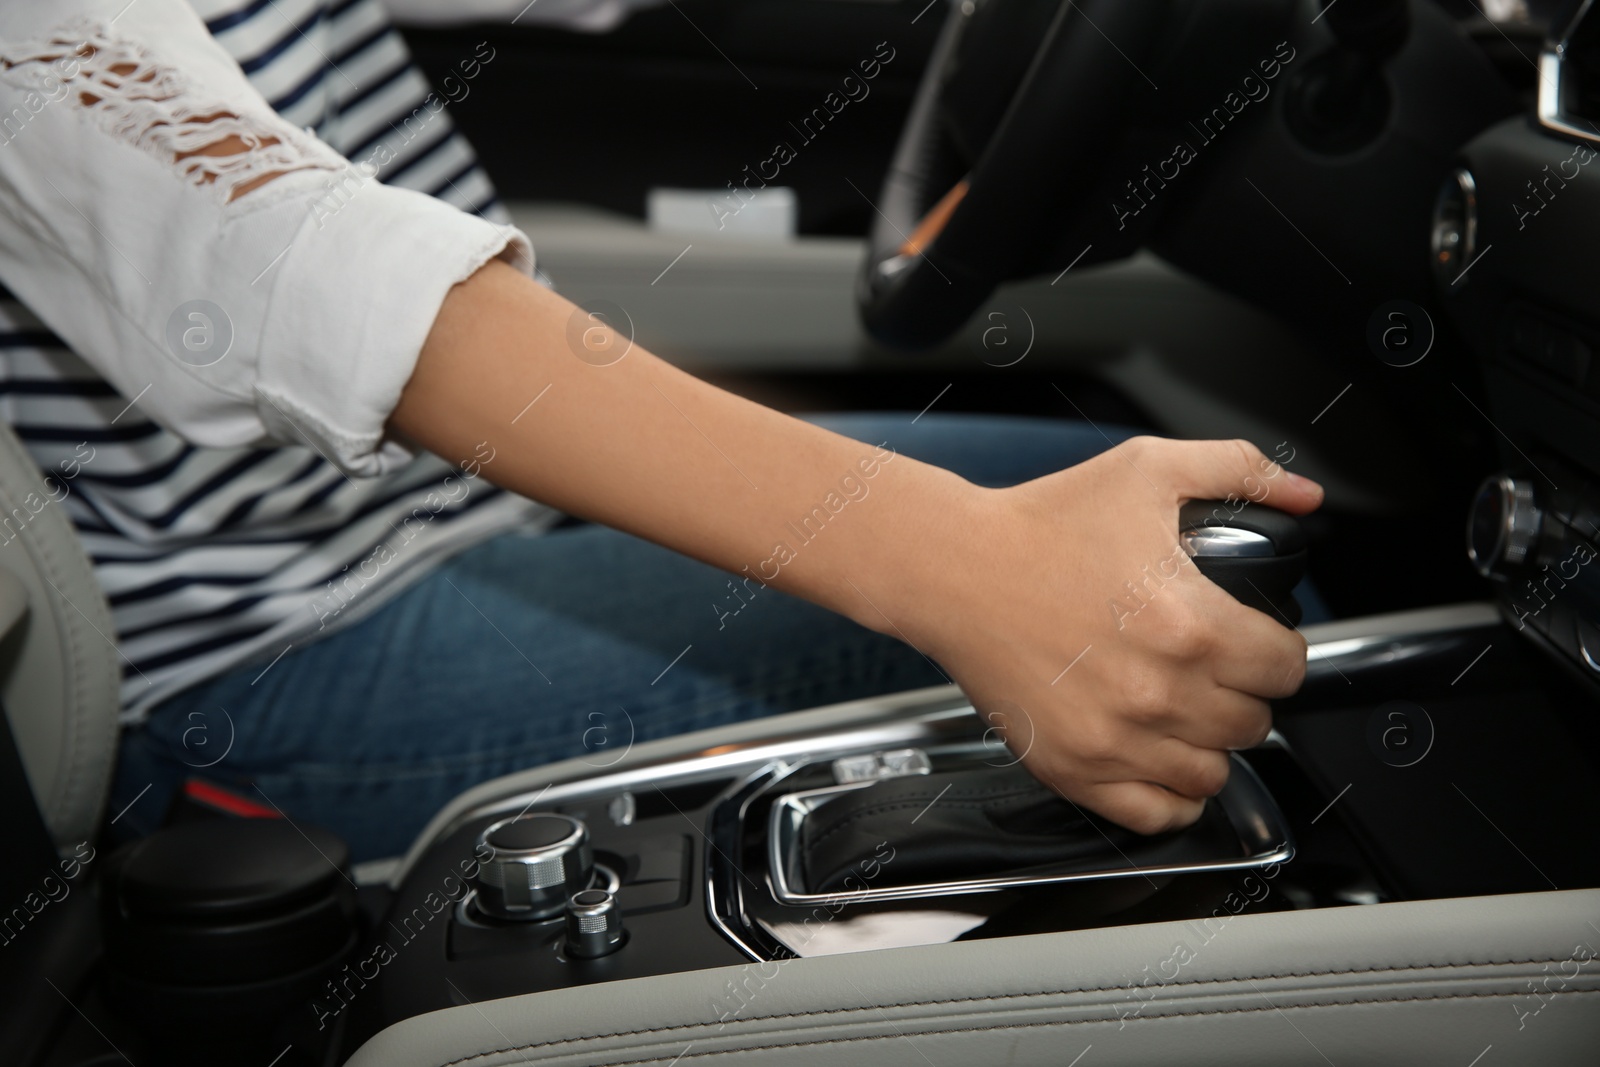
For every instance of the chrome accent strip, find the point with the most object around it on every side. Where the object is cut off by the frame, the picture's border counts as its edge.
(1225, 542)
(698, 766)
(752, 786)
(688, 758)
(1549, 109)
(1339, 647)
(1588, 654)
(1371, 630)
(1466, 187)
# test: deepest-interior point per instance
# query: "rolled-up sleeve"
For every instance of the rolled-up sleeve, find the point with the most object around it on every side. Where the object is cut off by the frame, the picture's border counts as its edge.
(277, 293)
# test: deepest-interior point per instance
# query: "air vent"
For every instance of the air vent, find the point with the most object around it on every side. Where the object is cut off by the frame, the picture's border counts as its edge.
(1569, 74)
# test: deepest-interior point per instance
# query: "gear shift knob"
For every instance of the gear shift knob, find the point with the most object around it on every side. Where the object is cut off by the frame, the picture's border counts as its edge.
(1255, 553)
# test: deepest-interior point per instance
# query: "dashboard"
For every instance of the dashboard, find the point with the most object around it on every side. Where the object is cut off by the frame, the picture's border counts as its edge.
(1511, 229)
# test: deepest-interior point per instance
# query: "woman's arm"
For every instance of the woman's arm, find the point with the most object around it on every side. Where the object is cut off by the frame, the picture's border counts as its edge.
(1004, 588)
(644, 447)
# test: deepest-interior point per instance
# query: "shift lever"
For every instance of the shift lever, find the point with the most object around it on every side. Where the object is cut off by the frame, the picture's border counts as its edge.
(1001, 821)
(1255, 553)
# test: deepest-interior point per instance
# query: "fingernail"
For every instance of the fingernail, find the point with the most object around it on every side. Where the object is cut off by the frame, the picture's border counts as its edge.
(1304, 483)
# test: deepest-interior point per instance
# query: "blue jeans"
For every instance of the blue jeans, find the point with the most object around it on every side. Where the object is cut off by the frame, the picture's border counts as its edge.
(529, 649)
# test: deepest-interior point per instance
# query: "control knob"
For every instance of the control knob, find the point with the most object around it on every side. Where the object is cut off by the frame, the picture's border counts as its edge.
(535, 863)
(1502, 525)
(594, 924)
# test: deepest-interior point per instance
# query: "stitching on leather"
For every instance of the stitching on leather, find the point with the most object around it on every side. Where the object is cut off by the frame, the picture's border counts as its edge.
(1056, 993)
(774, 1047)
(928, 1032)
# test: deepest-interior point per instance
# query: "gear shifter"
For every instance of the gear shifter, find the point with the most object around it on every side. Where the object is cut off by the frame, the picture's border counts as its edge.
(1003, 821)
(1255, 553)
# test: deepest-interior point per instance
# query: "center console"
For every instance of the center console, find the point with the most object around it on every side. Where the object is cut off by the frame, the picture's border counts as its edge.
(904, 821)
(1430, 754)
(915, 828)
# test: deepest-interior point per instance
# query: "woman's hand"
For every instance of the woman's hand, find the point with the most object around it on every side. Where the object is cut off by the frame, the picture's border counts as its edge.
(1119, 674)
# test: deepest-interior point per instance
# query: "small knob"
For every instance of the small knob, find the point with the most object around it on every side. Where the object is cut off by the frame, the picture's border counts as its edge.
(594, 924)
(1502, 525)
(536, 862)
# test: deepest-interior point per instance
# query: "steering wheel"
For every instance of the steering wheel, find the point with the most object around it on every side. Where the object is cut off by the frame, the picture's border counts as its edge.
(937, 250)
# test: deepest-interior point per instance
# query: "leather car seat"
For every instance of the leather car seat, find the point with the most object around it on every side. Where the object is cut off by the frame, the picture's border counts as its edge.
(59, 665)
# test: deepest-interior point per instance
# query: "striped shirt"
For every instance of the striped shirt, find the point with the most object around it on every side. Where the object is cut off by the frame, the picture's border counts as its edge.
(213, 557)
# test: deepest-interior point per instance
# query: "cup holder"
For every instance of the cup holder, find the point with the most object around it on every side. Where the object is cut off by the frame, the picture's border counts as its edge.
(216, 931)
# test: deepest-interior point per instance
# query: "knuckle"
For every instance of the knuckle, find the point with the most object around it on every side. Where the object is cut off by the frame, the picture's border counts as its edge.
(1293, 669)
(1249, 454)
(1169, 814)
(1251, 464)
(1185, 815)
(1051, 771)
(1211, 777)
(1152, 820)
(1146, 695)
(1098, 741)
(1179, 632)
(1259, 727)
(1294, 677)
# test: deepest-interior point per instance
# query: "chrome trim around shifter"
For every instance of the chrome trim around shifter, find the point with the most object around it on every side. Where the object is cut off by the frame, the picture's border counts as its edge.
(1250, 808)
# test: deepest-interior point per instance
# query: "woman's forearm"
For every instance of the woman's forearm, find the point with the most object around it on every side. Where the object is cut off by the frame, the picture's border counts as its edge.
(641, 446)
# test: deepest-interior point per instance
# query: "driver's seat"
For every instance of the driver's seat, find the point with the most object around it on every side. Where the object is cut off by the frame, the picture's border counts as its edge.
(59, 673)
(59, 685)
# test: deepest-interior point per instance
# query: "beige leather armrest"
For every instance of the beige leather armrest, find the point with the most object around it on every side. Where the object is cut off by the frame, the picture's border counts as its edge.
(1434, 982)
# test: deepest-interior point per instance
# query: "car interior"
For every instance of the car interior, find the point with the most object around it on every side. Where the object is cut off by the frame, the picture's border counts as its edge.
(1349, 232)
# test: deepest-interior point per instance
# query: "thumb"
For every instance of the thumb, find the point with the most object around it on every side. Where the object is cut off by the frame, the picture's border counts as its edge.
(1205, 470)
